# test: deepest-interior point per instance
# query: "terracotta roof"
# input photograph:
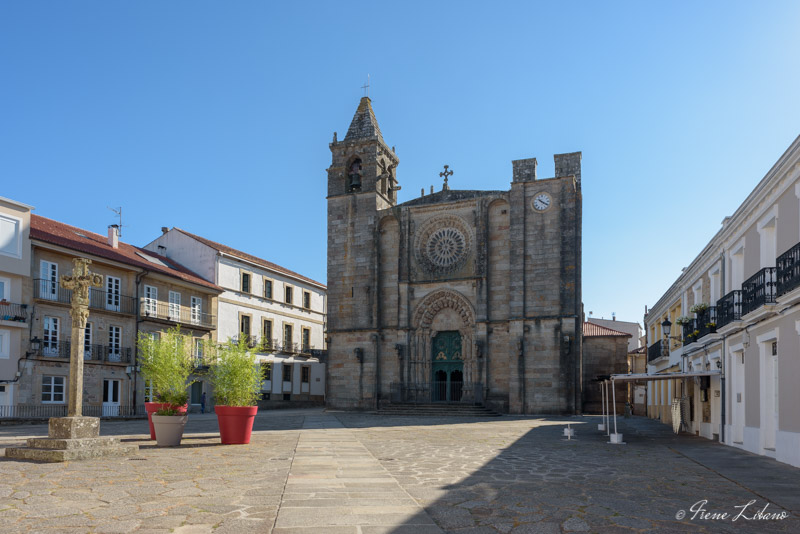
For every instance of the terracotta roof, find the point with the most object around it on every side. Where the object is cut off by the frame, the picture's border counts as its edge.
(248, 257)
(58, 233)
(595, 330)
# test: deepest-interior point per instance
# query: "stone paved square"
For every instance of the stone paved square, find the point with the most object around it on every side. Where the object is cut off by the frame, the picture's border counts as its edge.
(309, 471)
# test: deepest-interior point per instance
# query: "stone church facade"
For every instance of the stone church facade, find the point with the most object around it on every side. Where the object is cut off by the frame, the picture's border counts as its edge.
(456, 296)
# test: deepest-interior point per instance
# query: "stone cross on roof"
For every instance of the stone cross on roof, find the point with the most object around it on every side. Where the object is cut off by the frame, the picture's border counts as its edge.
(445, 174)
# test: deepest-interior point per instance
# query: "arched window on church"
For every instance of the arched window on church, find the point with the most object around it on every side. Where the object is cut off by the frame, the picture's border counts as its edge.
(354, 176)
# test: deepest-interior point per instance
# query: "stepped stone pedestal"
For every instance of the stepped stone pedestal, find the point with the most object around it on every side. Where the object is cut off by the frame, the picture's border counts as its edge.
(71, 438)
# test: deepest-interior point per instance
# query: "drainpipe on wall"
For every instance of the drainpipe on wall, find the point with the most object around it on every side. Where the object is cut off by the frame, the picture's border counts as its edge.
(521, 351)
(722, 357)
(136, 338)
(376, 341)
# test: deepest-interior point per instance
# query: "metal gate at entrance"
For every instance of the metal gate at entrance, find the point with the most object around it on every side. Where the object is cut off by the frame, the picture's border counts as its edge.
(447, 367)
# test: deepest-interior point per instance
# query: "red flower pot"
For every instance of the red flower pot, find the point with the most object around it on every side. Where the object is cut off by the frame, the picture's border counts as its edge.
(235, 423)
(153, 407)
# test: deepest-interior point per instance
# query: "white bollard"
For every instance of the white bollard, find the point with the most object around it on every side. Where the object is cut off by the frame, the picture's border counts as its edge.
(616, 439)
(601, 427)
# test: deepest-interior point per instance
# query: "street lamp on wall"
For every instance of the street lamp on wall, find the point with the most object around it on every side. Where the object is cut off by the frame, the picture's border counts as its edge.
(666, 326)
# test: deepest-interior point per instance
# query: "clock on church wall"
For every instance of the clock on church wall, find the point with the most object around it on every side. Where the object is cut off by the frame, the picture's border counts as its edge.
(542, 201)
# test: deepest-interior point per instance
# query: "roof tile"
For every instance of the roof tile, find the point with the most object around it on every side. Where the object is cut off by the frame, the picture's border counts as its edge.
(72, 237)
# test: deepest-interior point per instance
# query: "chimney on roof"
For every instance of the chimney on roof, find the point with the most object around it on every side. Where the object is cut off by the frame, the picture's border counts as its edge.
(164, 230)
(113, 236)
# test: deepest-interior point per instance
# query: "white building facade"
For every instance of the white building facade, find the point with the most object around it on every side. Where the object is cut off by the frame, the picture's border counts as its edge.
(735, 311)
(15, 266)
(280, 312)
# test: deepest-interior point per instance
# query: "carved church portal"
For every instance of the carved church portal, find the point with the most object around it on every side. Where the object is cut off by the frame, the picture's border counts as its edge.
(447, 367)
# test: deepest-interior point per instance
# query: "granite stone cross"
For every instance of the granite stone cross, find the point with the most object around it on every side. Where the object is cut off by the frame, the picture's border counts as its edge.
(445, 174)
(79, 282)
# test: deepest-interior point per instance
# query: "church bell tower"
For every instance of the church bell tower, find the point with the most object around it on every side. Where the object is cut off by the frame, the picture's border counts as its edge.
(361, 182)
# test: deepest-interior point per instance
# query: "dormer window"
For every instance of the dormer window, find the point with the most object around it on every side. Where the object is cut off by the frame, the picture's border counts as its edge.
(354, 176)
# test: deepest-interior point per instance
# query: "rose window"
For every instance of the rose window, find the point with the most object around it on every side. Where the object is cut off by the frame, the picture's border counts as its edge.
(446, 247)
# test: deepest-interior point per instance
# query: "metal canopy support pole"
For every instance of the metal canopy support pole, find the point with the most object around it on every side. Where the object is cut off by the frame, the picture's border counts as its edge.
(614, 393)
(608, 411)
(602, 426)
(616, 438)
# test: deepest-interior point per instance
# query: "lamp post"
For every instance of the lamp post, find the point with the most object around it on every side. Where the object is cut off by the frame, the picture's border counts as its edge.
(666, 326)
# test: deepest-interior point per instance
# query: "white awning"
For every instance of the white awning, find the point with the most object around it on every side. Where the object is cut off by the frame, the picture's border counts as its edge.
(663, 376)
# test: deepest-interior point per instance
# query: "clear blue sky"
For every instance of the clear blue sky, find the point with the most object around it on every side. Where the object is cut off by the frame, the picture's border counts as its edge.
(216, 116)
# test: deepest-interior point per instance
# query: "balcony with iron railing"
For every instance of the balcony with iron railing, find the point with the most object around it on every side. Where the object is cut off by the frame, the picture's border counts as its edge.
(759, 290)
(729, 308)
(788, 270)
(272, 345)
(98, 299)
(706, 322)
(175, 313)
(689, 331)
(654, 351)
(91, 352)
(14, 313)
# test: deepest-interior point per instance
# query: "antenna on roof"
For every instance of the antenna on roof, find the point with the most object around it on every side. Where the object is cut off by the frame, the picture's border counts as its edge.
(118, 211)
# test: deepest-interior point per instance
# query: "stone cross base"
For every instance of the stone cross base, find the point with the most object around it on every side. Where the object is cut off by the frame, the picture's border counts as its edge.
(71, 438)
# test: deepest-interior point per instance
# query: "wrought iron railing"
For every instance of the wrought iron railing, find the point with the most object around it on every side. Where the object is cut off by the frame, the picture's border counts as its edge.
(454, 391)
(706, 322)
(758, 290)
(688, 332)
(52, 291)
(654, 351)
(109, 301)
(729, 308)
(93, 352)
(45, 411)
(10, 311)
(176, 313)
(98, 299)
(788, 270)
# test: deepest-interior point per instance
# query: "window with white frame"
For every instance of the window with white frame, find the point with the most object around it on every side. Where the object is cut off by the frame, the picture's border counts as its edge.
(198, 349)
(50, 335)
(150, 300)
(5, 289)
(53, 390)
(10, 236)
(114, 343)
(113, 286)
(174, 305)
(768, 237)
(5, 344)
(48, 272)
(87, 342)
(197, 310)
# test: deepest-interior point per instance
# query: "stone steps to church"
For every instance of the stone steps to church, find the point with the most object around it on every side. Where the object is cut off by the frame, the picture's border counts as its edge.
(444, 410)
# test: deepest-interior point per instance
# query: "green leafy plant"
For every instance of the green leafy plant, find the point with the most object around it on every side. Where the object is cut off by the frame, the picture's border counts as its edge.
(699, 308)
(166, 363)
(235, 374)
(711, 325)
(168, 411)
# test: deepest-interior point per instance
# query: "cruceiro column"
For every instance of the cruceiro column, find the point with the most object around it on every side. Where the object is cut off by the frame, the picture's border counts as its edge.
(74, 437)
(79, 282)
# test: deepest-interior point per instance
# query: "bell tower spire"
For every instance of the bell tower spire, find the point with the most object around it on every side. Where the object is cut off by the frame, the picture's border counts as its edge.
(362, 163)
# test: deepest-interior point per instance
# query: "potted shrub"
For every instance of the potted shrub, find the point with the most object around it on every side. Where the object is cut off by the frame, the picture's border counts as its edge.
(236, 378)
(170, 422)
(166, 365)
